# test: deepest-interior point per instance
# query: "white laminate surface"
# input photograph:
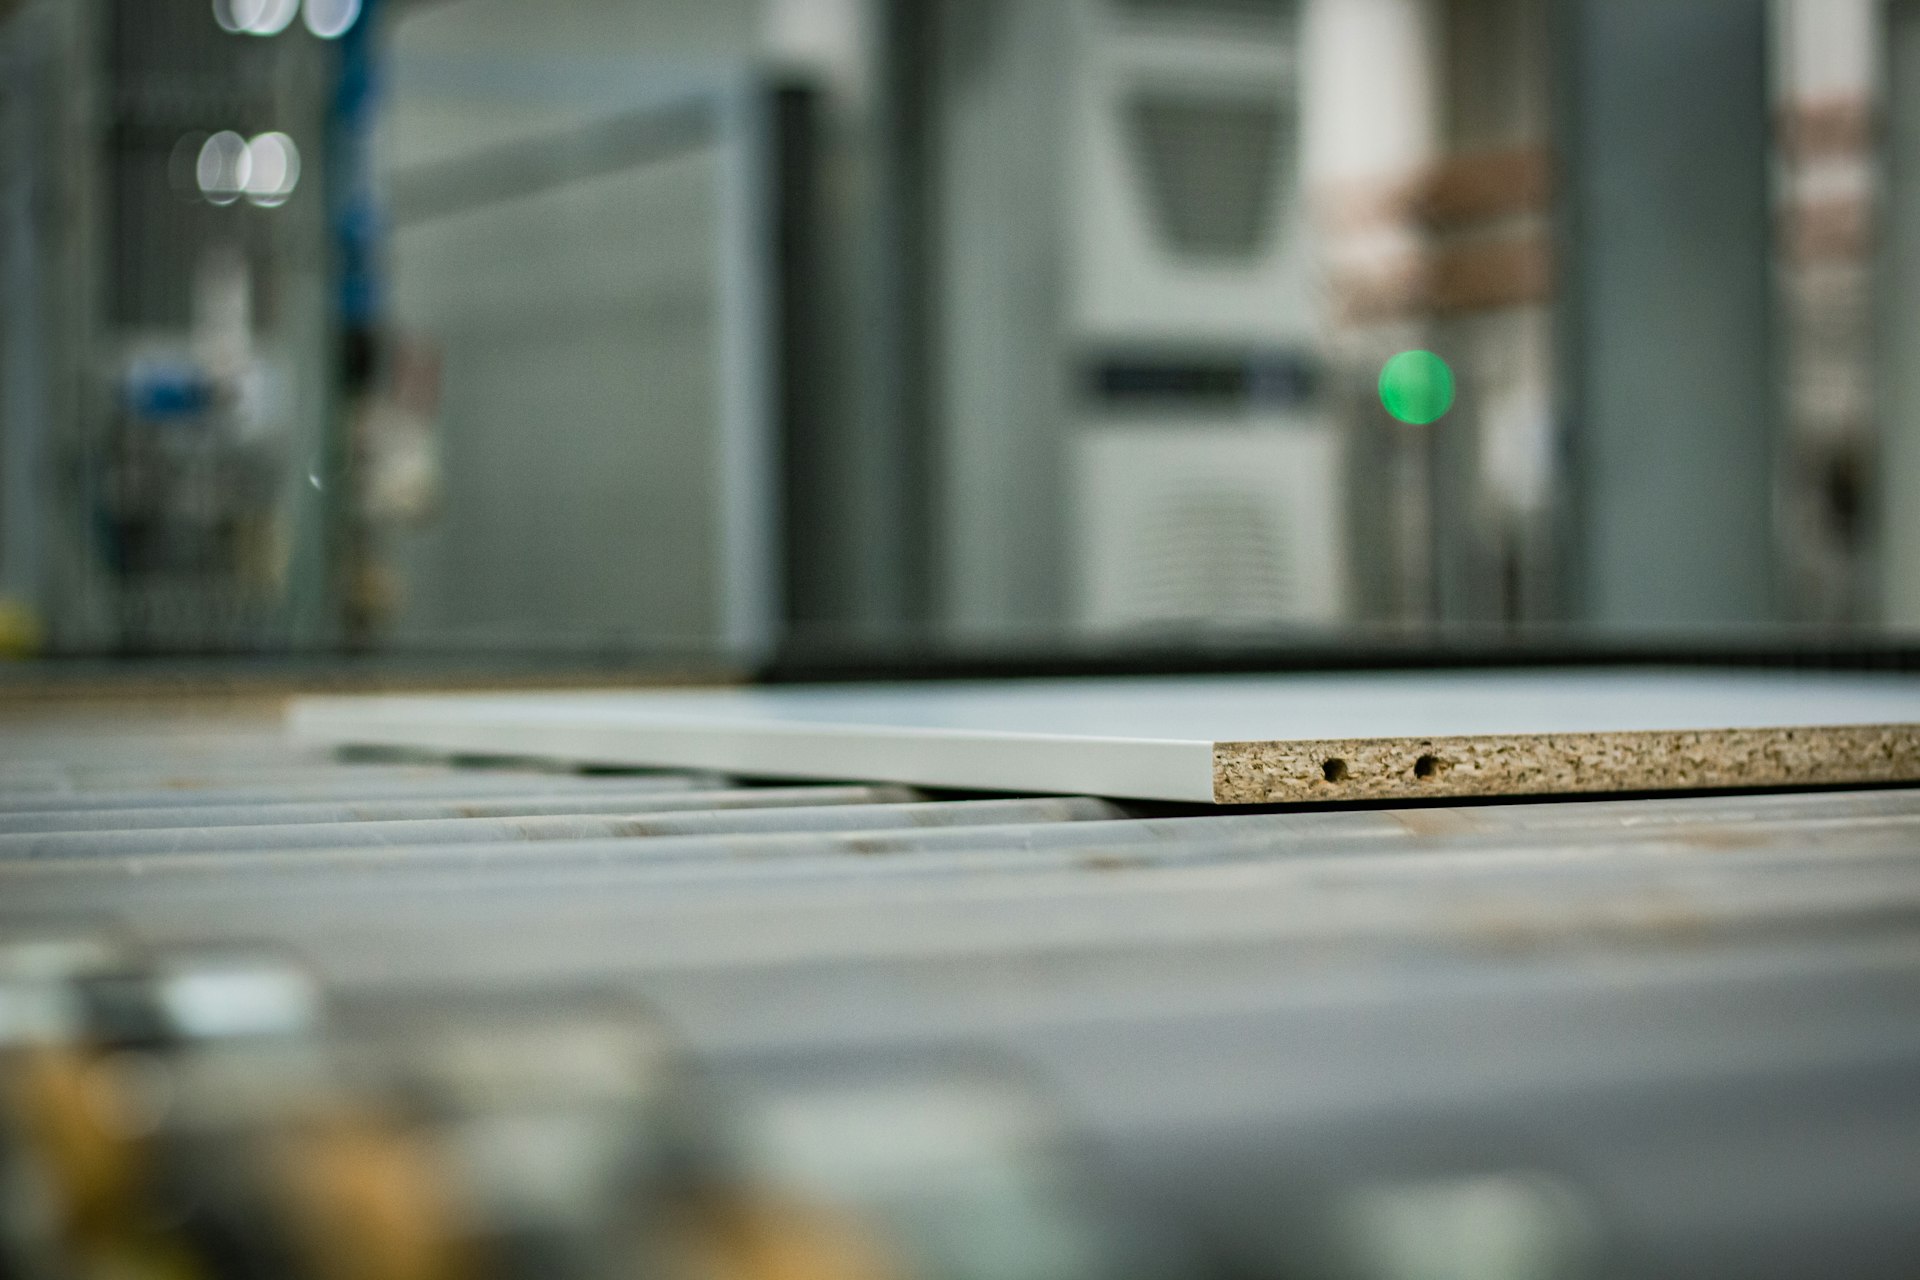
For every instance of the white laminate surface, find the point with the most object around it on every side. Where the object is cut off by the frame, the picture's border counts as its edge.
(1147, 737)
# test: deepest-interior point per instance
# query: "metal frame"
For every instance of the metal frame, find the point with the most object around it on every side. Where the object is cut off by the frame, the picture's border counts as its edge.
(762, 252)
(1667, 367)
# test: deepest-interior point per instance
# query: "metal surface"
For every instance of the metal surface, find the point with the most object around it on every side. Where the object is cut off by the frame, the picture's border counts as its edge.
(1665, 334)
(654, 236)
(801, 814)
(1630, 1037)
(642, 796)
(1897, 268)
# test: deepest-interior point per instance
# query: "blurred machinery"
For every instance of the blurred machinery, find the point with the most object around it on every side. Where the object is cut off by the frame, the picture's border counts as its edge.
(1137, 422)
(1131, 414)
(1071, 318)
(1177, 239)
(168, 351)
(1206, 472)
(715, 325)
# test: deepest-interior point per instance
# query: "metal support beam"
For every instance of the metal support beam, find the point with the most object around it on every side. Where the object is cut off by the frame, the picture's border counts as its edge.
(1666, 364)
(1899, 340)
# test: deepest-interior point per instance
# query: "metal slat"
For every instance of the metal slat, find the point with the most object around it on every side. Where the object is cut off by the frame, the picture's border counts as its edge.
(477, 784)
(874, 809)
(653, 799)
(982, 837)
(189, 774)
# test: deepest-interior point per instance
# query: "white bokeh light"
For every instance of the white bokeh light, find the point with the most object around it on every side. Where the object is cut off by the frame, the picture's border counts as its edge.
(330, 19)
(273, 169)
(255, 17)
(224, 167)
(234, 15)
(274, 16)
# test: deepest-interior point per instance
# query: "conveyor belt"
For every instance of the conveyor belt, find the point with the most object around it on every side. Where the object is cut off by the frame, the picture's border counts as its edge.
(928, 1034)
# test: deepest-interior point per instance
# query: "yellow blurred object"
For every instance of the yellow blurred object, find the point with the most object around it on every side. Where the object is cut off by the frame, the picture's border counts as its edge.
(370, 1200)
(71, 1106)
(768, 1239)
(21, 634)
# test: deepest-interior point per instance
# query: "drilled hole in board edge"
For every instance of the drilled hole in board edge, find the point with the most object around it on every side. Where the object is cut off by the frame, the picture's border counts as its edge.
(1334, 769)
(1426, 768)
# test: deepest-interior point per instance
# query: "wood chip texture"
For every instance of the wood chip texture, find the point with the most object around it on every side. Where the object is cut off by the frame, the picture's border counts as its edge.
(1544, 764)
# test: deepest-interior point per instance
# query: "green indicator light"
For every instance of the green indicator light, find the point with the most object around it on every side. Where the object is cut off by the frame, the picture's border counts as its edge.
(1417, 387)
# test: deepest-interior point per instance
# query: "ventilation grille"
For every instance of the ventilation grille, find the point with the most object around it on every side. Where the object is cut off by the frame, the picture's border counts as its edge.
(1214, 555)
(1211, 169)
(1204, 525)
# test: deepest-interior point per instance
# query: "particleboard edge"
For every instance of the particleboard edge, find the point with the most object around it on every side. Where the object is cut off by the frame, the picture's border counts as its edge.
(1563, 763)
